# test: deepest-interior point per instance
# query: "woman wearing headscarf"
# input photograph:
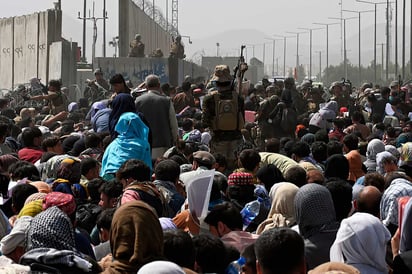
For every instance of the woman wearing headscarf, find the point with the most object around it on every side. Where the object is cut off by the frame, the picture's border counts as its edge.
(51, 242)
(361, 242)
(405, 160)
(136, 238)
(374, 147)
(320, 119)
(316, 218)
(131, 143)
(385, 163)
(122, 103)
(282, 211)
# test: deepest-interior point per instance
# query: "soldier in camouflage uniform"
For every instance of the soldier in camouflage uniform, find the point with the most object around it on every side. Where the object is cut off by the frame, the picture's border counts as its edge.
(136, 47)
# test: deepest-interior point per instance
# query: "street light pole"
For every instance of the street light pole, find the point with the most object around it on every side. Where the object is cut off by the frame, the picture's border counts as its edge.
(374, 35)
(284, 52)
(297, 51)
(273, 53)
(320, 65)
(327, 45)
(345, 62)
(310, 49)
(359, 42)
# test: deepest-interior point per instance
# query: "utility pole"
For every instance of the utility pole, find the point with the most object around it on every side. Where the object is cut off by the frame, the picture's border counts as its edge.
(84, 32)
(94, 19)
(327, 45)
(104, 28)
(297, 50)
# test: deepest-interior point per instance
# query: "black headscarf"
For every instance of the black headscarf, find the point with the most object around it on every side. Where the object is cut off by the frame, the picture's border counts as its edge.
(122, 103)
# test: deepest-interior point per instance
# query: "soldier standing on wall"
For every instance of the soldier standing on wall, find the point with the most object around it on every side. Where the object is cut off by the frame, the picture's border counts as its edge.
(136, 47)
(177, 50)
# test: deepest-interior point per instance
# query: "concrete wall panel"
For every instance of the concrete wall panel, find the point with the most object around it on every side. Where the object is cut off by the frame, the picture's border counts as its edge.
(55, 60)
(135, 69)
(6, 53)
(20, 50)
(31, 47)
(43, 49)
(133, 20)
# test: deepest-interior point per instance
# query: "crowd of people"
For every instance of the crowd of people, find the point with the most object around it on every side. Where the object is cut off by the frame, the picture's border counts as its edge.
(315, 182)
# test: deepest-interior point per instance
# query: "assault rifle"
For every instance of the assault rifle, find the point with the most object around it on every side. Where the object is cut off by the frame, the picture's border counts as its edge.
(239, 71)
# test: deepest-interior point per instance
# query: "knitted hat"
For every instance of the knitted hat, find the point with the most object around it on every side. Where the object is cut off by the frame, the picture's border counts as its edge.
(240, 178)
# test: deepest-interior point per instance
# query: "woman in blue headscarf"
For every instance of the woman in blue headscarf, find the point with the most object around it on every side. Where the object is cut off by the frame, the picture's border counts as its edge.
(132, 142)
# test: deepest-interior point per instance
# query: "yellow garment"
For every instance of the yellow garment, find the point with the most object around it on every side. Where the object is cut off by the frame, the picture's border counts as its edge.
(31, 209)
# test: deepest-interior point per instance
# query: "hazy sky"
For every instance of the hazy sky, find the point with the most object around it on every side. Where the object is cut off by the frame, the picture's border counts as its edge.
(201, 19)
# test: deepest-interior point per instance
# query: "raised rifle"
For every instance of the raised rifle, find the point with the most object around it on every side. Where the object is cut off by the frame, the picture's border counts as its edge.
(239, 71)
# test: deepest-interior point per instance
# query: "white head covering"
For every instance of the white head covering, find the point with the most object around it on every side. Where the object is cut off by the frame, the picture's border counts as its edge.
(161, 267)
(17, 235)
(361, 242)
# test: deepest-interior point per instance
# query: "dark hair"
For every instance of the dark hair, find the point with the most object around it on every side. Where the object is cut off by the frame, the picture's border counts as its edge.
(241, 194)
(219, 187)
(87, 164)
(23, 169)
(220, 159)
(178, 247)
(186, 86)
(250, 159)
(111, 189)
(135, 169)
(92, 140)
(117, 79)
(55, 83)
(4, 129)
(250, 257)
(301, 149)
(375, 179)
(321, 135)
(280, 250)
(385, 91)
(28, 135)
(357, 116)
(49, 142)
(104, 221)
(210, 253)
(93, 187)
(296, 175)
(351, 141)
(20, 194)
(70, 171)
(167, 170)
(334, 147)
(226, 213)
(319, 151)
(341, 192)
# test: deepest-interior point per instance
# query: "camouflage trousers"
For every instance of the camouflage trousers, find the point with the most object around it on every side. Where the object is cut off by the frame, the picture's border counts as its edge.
(228, 149)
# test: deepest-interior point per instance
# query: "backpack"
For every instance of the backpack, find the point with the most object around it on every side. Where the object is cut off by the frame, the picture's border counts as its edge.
(227, 115)
(86, 216)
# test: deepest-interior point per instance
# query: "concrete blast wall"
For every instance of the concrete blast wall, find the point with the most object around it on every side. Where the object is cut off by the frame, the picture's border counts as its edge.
(133, 20)
(170, 71)
(25, 42)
